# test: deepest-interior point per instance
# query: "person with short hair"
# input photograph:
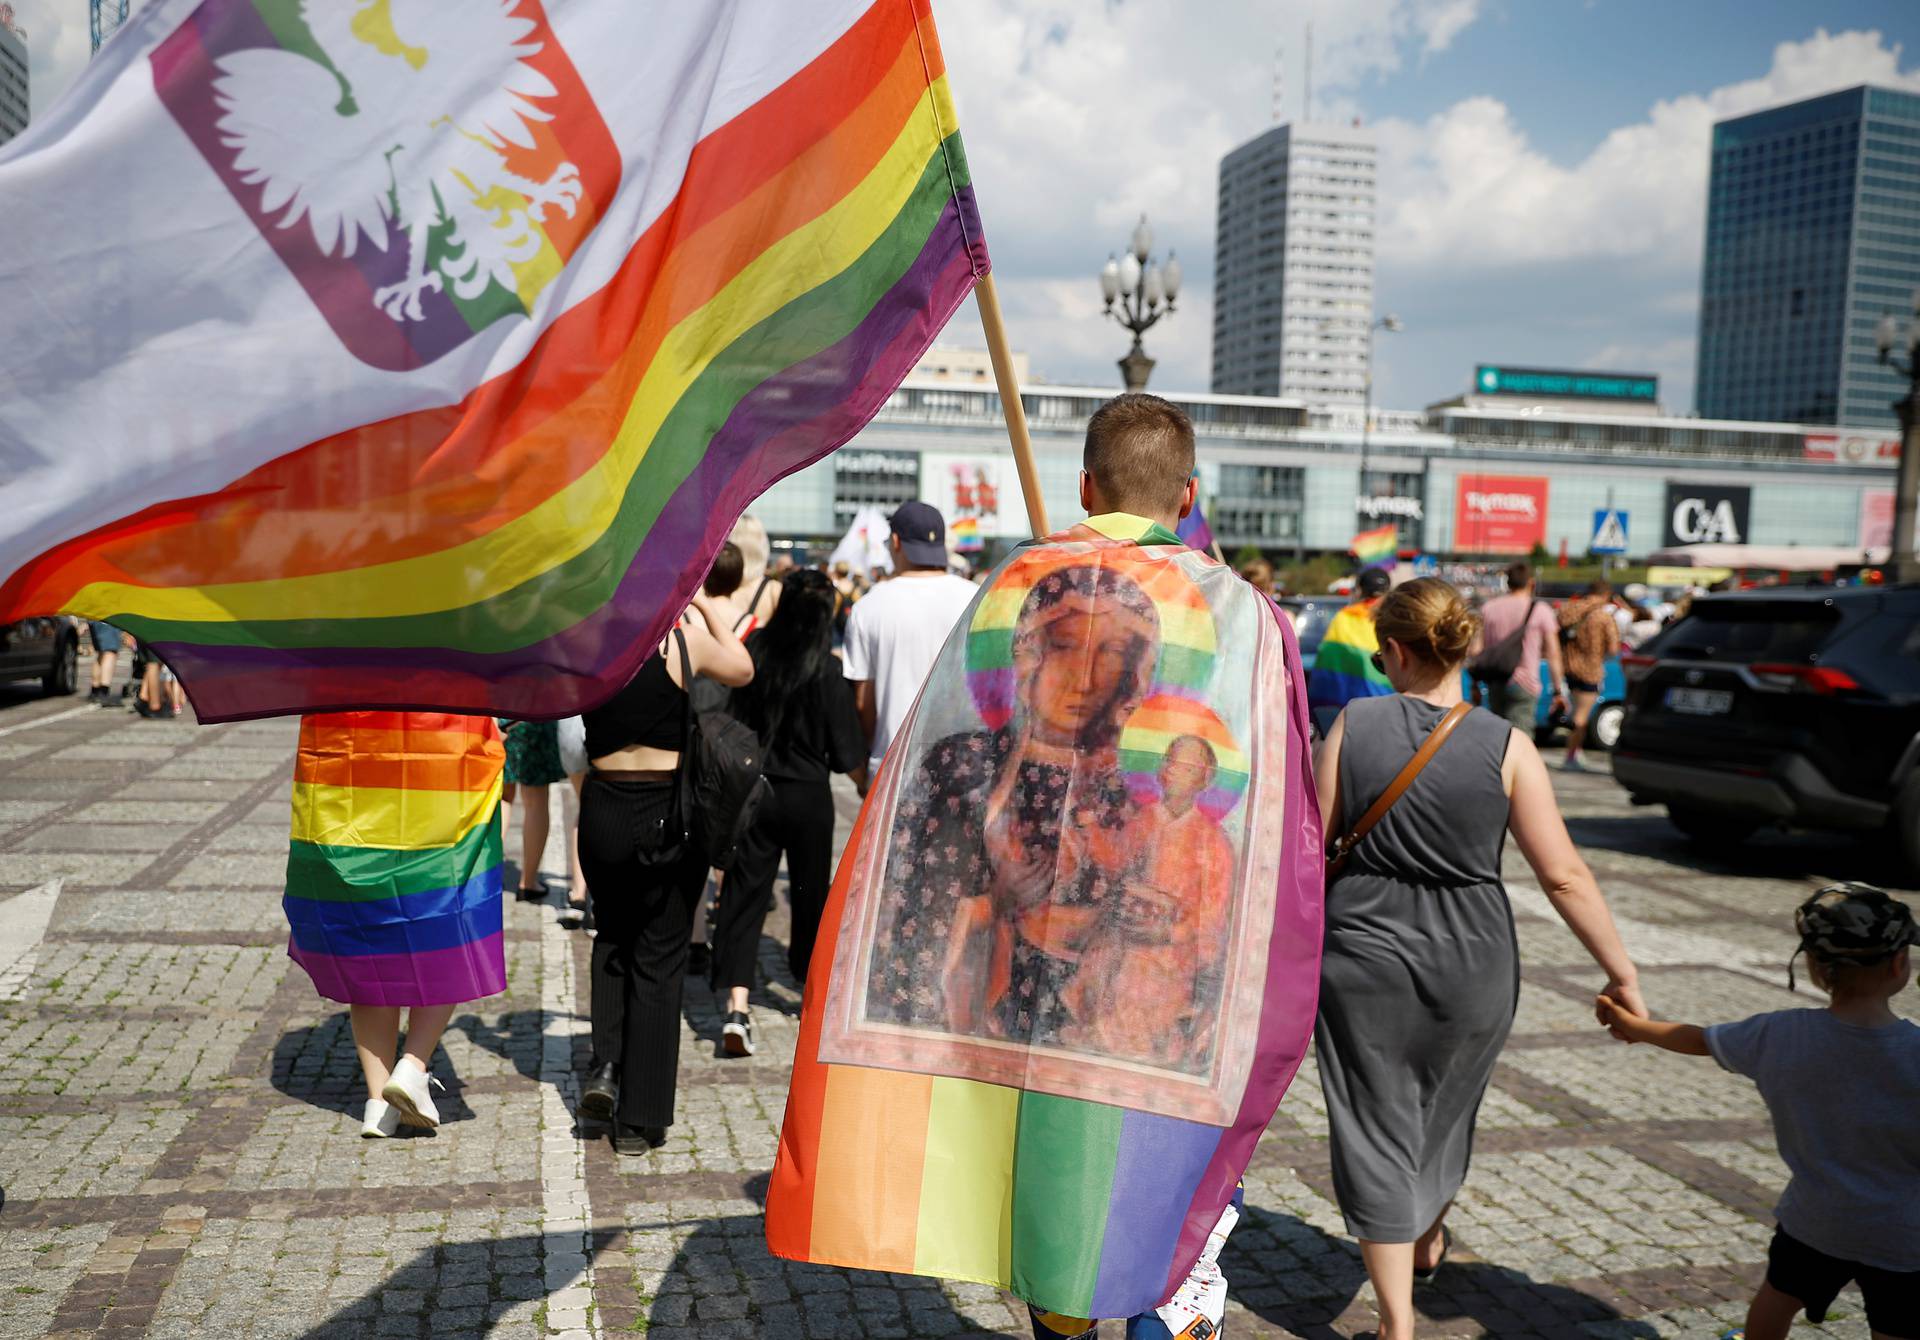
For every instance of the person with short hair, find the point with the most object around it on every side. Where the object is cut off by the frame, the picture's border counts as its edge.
(1593, 638)
(1522, 613)
(1420, 974)
(1343, 667)
(895, 631)
(1842, 1086)
(1056, 860)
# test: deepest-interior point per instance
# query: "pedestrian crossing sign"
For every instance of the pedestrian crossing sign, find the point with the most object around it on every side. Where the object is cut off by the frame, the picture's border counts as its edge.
(1609, 532)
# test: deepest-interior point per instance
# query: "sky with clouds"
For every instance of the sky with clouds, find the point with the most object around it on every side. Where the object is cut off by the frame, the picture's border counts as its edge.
(1543, 163)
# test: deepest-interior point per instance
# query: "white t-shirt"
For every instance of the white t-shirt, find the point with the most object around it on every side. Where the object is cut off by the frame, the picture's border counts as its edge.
(893, 636)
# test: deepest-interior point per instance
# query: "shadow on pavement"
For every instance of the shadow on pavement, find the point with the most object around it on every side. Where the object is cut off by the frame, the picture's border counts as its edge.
(720, 1272)
(317, 1064)
(516, 1038)
(1286, 1271)
(1771, 852)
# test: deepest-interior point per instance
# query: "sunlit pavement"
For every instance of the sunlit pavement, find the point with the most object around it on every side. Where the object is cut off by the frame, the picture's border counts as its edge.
(178, 1110)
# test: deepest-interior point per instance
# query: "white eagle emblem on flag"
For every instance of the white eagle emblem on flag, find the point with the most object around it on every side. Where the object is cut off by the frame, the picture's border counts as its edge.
(403, 120)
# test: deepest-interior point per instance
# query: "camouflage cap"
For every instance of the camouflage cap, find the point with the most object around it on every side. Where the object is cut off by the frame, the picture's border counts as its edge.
(1854, 923)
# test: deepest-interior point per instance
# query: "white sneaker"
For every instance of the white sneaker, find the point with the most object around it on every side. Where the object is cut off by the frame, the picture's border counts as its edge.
(380, 1121)
(407, 1090)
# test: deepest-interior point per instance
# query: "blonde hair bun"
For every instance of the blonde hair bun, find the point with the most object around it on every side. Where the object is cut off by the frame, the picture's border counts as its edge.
(1429, 618)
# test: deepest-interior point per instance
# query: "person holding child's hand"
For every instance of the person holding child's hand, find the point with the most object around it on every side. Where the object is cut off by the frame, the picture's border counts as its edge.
(1843, 1087)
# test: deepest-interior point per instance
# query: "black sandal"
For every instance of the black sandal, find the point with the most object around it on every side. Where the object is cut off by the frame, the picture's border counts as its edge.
(538, 895)
(1446, 1245)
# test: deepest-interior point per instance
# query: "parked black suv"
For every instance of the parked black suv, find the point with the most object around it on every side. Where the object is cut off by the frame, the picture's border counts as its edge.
(44, 649)
(1786, 705)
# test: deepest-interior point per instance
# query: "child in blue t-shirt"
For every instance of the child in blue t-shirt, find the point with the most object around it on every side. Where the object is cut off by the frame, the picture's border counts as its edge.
(1843, 1087)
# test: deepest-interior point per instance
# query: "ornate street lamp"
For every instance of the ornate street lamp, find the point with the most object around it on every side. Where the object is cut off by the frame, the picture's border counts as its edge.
(1392, 325)
(1145, 290)
(1887, 339)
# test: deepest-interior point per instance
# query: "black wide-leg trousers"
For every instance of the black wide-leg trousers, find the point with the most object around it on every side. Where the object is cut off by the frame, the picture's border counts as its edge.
(643, 911)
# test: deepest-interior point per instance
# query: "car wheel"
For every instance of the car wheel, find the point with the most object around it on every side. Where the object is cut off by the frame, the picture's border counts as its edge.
(1710, 828)
(1603, 727)
(63, 676)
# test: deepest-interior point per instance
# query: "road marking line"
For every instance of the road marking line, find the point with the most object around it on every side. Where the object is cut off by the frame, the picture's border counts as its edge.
(23, 925)
(566, 1213)
(41, 721)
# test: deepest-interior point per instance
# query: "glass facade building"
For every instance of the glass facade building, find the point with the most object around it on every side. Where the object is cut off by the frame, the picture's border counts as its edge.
(1813, 234)
(1282, 476)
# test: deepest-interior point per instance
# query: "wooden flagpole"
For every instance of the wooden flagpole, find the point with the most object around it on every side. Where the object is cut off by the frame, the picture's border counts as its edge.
(996, 329)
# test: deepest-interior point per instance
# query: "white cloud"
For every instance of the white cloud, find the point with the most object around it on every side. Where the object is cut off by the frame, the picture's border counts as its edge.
(58, 46)
(1079, 115)
(1467, 189)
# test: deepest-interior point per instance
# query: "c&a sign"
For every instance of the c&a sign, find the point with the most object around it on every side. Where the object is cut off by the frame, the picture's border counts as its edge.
(1708, 513)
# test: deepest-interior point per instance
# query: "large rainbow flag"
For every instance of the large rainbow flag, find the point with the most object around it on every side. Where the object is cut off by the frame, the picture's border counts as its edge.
(422, 356)
(393, 875)
(1079, 938)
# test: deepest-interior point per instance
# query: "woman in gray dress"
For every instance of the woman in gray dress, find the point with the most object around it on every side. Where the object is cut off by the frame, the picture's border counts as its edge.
(1422, 971)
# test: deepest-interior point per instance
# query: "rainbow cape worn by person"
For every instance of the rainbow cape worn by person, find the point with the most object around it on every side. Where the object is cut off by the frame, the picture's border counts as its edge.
(1079, 938)
(393, 879)
(1343, 667)
(373, 354)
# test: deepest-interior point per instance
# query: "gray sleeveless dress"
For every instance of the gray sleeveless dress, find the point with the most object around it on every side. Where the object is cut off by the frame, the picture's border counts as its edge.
(1421, 973)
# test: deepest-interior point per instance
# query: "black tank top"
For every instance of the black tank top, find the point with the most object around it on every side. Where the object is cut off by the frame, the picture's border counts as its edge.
(650, 711)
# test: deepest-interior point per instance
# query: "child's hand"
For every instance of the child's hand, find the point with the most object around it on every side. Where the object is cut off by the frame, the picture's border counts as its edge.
(1617, 1018)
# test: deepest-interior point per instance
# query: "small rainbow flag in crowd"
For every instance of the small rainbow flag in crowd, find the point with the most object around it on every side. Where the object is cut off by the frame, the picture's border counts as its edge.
(965, 534)
(450, 402)
(1376, 546)
(1194, 531)
(393, 877)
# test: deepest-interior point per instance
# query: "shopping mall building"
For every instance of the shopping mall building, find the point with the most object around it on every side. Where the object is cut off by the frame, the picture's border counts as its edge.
(1526, 457)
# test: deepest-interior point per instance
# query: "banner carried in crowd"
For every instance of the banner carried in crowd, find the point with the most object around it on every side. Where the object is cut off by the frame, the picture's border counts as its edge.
(422, 356)
(1079, 938)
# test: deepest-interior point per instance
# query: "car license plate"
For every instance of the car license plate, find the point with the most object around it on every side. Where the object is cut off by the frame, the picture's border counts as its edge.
(1700, 702)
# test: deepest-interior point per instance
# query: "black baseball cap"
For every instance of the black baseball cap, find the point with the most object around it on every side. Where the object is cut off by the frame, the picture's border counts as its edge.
(1374, 582)
(922, 532)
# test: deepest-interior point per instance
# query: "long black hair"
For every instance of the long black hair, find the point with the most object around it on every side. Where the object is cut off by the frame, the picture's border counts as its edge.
(789, 656)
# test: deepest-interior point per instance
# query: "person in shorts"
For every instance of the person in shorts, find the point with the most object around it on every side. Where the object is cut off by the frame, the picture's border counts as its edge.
(107, 641)
(1843, 1087)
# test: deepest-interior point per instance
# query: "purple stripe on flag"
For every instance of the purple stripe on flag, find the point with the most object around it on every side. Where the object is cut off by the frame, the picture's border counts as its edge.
(450, 976)
(783, 425)
(1293, 974)
(1158, 1162)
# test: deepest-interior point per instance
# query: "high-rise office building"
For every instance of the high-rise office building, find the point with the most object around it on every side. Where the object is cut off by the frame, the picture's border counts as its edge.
(1293, 264)
(1813, 234)
(13, 83)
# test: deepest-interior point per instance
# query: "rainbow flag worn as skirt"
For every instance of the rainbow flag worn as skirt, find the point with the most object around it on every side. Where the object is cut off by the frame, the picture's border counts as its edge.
(1077, 945)
(393, 879)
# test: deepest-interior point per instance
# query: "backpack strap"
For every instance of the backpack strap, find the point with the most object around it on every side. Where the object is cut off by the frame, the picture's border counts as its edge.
(1342, 847)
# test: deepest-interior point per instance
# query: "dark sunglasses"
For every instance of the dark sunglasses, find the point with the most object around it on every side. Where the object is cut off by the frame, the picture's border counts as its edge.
(1379, 659)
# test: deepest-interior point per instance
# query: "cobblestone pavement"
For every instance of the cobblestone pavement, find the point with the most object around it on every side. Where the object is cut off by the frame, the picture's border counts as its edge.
(178, 1109)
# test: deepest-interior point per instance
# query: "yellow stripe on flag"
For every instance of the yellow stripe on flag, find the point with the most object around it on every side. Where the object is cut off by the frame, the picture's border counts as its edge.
(388, 817)
(574, 518)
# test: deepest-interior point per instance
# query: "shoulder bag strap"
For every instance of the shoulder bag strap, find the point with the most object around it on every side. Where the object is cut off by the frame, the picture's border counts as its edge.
(684, 772)
(1343, 847)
